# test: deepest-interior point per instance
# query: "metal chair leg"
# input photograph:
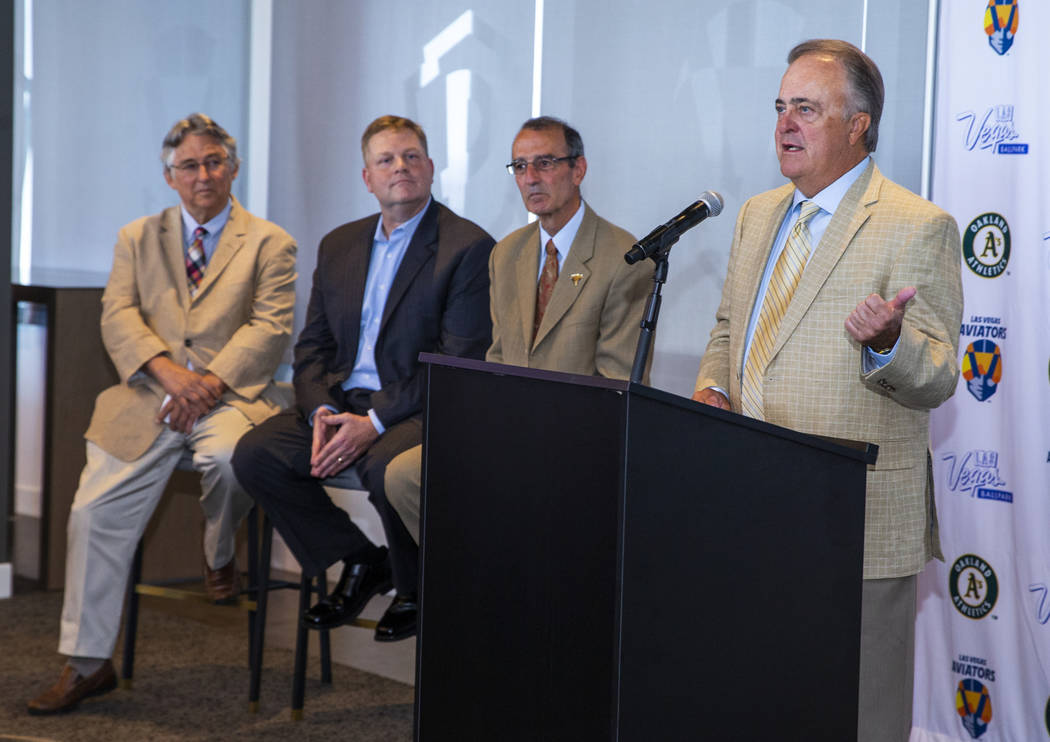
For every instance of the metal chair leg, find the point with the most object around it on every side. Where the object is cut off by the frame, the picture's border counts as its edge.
(299, 677)
(326, 643)
(253, 577)
(131, 621)
(262, 585)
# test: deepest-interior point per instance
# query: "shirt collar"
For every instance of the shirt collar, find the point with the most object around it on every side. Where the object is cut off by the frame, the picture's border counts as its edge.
(564, 237)
(213, 225)
(830, 198)
(408, 227)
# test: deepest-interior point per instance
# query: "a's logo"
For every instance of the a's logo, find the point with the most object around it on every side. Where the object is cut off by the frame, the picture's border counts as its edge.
(986, 245)
(973, 586)
(1000, 23)
(977, 473)
(992, 130)
(982, 367)
(974, 706)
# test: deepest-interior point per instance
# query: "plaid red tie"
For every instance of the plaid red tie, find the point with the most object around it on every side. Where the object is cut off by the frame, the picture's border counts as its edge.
(195, 259)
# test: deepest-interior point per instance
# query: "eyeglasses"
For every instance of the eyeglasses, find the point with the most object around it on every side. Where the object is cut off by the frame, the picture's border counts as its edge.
(191, 167)
(542, 164)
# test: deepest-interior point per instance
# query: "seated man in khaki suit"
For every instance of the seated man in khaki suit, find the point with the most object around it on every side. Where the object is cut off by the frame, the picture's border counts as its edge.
(561, 295)
(196, 316)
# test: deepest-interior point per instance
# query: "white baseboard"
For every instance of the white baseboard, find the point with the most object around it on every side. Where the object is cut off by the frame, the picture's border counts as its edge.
(6, 576)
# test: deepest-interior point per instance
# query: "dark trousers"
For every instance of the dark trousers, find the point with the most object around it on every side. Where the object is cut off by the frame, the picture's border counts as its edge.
(272, 463)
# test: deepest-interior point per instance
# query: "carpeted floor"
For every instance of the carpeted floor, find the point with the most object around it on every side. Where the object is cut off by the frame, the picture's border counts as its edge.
(191, 683)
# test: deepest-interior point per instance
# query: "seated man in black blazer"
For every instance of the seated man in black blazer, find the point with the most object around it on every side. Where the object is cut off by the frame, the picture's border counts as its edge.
(411, 279)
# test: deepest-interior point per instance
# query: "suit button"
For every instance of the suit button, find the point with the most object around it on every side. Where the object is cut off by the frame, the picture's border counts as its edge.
(188, 343)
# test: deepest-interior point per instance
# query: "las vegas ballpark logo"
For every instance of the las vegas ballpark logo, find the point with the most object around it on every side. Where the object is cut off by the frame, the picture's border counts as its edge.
(1001, 19)
(986, 245)
(982, 368)
(973, 586)
(974, 705)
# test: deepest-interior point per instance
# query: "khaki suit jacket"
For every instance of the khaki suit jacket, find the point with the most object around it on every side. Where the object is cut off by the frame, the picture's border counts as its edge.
(237, 326)
(591, 324)
(881, 239)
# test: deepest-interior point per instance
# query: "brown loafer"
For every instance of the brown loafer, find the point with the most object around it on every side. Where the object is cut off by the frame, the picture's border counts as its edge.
(221, 584)
(72, 688)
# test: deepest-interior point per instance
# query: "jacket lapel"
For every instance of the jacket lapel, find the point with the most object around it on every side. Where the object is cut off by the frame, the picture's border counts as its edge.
(565, 291)
(420, 250)
(526, 272)
(753, 265)
(174, 253)
(355, 276)
(230, 241)
(849, 217)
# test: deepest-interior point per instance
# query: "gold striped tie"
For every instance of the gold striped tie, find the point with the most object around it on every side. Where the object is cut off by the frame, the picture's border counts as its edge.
(786, 274)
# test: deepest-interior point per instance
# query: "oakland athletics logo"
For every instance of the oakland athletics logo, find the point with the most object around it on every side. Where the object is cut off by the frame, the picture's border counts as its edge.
(973, 586)
(986, 245)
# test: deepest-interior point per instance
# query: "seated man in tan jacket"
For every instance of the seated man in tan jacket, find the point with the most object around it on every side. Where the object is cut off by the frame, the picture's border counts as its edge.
(196, 316)
(561, 295)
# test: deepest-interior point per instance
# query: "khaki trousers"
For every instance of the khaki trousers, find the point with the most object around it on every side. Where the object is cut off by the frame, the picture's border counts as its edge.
(112, 508)
(887, 659)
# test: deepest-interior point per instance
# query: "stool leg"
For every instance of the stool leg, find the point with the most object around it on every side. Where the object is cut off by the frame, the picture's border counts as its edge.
(326, 642)
(131, 620)
(253, 576)
(258, 635)
(299, 678)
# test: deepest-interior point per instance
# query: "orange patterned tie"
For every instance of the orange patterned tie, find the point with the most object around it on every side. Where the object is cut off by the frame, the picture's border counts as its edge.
(786, 275)
(548, 278)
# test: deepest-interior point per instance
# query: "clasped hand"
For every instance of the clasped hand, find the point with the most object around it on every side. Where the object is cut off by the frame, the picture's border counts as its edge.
(191, 395)
(339, 440)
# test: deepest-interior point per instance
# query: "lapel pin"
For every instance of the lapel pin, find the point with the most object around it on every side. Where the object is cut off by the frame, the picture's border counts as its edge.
(576, 278)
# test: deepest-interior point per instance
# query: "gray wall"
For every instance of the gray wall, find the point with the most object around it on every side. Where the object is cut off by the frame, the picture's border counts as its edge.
(672, 98)
(109, 77)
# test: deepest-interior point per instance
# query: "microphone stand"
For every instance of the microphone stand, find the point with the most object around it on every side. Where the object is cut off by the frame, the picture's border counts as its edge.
(652, 311)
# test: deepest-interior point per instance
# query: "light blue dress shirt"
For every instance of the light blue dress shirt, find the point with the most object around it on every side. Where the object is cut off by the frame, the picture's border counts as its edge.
(562, 240)
(214, 226)
(828, 200)
(387, 254)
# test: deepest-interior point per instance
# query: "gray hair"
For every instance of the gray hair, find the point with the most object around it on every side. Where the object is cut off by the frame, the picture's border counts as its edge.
(197, 123)
(572, 137)
(865, 93)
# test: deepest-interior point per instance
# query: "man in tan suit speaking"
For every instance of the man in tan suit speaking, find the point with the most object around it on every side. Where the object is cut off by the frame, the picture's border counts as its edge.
(561, 295)
(196, 316)
(840, 317)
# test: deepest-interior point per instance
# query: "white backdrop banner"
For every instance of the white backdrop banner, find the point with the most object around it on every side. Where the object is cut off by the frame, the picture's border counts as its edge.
(983, 633)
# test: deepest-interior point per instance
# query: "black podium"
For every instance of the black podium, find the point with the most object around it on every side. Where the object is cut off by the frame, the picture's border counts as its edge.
(605, 561)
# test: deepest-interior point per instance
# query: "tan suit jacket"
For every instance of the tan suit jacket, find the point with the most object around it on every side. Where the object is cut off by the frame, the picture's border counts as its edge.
(237, 326)
(880, 239)
(591, 324)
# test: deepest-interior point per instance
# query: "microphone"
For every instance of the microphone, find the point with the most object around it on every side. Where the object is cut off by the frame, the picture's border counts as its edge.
(709, 204)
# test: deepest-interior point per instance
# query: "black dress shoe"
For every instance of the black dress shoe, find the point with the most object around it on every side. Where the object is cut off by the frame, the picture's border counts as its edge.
(399, 621)
(356, 586)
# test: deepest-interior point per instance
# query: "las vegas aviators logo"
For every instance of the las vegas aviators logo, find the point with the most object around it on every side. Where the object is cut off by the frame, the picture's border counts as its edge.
(1000, 23)
(982, 367)
(974, 706)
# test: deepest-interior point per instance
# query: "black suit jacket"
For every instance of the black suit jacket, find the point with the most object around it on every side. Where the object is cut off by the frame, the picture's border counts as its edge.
(438, 303)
